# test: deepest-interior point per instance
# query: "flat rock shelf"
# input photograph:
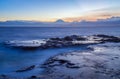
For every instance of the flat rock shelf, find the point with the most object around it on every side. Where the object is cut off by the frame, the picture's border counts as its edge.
(72, 40)
(100, 60)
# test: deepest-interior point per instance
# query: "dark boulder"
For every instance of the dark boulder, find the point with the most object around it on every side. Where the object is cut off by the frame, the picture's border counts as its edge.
(58, 39)
(80, 39)
(68, 38)
(33, 77)
(104, 36)
(71, 65)
(107, 38)
(26, 69)
(4, 77)
(77, 37)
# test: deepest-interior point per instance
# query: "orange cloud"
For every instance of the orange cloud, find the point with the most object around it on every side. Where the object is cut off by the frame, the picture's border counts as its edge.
(87, 18)
(91, 17)
(94, 15)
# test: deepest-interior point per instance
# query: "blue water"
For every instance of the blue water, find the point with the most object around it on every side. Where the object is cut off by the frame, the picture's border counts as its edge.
(46, 32)
(13, 59)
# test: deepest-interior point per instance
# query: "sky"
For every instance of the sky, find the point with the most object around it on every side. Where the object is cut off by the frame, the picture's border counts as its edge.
(51, 10)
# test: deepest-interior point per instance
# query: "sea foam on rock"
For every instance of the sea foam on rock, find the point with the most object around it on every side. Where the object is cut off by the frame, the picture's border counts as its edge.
(65, 41)
(102, 62)
(26, 43)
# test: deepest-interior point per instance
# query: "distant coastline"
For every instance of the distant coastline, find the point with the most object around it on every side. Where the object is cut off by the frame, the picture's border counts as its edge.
(113, 21)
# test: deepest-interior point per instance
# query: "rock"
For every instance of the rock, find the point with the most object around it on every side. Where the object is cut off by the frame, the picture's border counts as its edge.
(33, 77)
(68, 43)
(107, 38)
(115, 39)
(71, 65)
(68, 38)
(28, 48)
(58, 62)
(77, 37)
(26, 43)
(62, 61)
(104, 36)
(3, 76)
(62, 42)
(26, 69)
(58, 39)
(58, 45)
(92, 64)
(36, 77)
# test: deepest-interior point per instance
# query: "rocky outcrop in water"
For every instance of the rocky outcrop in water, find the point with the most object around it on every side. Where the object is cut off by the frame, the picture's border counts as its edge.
(26, 69)
(72, 40)
(98, 63)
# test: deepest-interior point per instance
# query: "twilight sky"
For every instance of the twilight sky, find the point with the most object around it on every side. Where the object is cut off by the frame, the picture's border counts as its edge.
(51, 10)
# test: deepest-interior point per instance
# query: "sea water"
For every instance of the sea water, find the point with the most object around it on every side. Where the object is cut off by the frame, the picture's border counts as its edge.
(12, 59)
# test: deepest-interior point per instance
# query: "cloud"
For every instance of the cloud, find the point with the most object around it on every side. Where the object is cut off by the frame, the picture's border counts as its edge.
(93, 15)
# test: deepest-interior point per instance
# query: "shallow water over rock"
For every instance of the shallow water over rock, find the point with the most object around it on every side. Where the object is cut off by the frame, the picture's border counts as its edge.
(69, 57)
(99, 63)
(23, 59)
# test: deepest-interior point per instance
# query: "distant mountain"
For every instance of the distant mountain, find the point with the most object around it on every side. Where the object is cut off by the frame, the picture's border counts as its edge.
(19, 22)
(113, 21)
(60, 21)
(110, 19)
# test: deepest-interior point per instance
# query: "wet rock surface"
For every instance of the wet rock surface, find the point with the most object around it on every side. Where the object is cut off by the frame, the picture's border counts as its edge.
(4, 77)
(99, 63)
(62, 42)
(26, 69)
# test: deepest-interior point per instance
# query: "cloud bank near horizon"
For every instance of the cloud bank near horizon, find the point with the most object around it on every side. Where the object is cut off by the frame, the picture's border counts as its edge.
(113, 21)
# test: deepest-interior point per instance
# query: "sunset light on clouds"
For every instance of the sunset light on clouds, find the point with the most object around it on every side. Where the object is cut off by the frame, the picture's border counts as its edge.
(51, 10)
(59, 39)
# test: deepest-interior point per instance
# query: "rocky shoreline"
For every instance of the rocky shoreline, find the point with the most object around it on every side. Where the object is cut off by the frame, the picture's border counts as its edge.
(100, 61)
(72, 40)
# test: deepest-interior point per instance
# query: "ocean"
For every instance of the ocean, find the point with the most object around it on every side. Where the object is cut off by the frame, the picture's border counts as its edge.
(12, 59)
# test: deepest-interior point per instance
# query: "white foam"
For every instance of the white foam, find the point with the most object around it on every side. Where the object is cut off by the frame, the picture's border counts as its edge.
(85, 42)
(27, 43)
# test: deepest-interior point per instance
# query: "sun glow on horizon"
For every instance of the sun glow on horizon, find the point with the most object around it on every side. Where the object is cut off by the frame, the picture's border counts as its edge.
(51, 10)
